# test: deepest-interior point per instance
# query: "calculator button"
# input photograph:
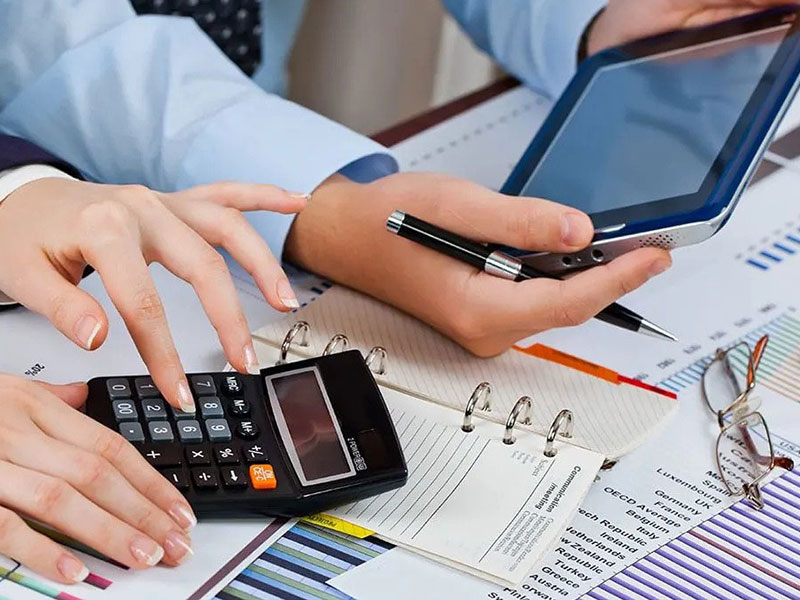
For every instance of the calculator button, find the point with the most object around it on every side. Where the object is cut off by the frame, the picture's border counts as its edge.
(178, 414)
(247, 430)
(132, 432)
(198, 456)
(189, 431)
(160, 431)
(204, 479)
(124, 410)
(263, 477)
(218, 430)
(154, 409)
(203, 385)
(233, 477)
(226, 455)
(254, 453)
(232, 386)
(211, 407)
(145, 388)
(161, 455)
(118, 388)
(177, 478)
(240, 407)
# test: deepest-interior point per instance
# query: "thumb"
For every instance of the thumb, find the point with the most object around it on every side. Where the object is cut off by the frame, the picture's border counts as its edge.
(73, 394)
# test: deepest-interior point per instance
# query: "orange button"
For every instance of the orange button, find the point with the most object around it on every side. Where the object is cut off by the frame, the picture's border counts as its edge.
(263, 477)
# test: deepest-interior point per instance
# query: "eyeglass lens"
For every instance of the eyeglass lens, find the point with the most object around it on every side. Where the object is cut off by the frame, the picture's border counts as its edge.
(744, 454)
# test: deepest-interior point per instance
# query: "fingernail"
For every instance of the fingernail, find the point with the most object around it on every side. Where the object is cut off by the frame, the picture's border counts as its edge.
(146, 551)
(72, 569)
(286, 294)
(183, 515)
(86, 329)
(178, 547)
(250, 360)
(572, 227)
(659, 267)
(185, 400)
(300, 196)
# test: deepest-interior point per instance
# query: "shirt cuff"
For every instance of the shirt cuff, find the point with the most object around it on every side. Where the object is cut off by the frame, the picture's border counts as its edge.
(297, 152)
(567, 21)
(13, 179)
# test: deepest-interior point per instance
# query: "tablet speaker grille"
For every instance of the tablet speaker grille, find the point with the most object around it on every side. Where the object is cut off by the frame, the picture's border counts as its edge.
(660, 240)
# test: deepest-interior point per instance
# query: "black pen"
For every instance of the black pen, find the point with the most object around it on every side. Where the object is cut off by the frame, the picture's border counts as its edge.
(502, 265)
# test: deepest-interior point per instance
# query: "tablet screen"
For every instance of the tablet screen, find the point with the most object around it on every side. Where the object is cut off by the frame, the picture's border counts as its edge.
(651, 128)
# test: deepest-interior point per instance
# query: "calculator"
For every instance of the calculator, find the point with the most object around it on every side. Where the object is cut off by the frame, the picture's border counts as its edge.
(297, 439)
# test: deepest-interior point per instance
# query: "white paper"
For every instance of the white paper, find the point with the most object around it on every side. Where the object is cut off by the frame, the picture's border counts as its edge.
(515, 500)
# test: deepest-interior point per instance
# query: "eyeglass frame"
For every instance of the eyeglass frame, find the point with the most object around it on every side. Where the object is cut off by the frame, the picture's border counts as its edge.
(752, 490)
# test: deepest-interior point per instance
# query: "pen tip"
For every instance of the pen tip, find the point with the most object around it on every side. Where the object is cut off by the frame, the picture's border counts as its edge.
(648, 328)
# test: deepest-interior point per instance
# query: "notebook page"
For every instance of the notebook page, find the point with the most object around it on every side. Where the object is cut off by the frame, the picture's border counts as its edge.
(609, 418)
(471, 501)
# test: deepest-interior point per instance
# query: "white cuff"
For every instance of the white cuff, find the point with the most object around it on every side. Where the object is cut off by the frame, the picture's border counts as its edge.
(13, 179)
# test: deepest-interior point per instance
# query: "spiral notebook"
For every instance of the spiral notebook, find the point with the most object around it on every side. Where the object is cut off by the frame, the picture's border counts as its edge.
(612, 413)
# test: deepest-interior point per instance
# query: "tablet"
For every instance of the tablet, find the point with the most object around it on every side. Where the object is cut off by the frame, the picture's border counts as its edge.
(657, 139)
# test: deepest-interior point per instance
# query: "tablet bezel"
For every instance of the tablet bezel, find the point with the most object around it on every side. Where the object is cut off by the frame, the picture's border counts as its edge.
(734, 160)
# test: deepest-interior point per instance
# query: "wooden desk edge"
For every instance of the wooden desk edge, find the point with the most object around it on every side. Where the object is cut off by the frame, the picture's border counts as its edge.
(402, 131)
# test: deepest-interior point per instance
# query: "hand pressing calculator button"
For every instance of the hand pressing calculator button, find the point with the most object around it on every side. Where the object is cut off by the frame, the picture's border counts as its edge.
(287, 442)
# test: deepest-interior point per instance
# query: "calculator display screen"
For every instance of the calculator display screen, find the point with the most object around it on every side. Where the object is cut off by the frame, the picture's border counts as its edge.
(304, 415)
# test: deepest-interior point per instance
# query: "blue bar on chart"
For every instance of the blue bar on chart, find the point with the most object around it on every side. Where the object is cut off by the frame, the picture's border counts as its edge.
(739, 553)
(298, 565)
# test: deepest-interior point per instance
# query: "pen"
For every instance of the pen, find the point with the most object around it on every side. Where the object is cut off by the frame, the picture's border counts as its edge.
(500, 264)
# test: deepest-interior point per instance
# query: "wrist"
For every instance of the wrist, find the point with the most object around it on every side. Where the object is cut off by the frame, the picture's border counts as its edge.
(320, 238)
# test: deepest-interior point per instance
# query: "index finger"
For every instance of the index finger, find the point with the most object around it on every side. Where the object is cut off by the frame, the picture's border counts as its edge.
(478, 213)
(119, 262)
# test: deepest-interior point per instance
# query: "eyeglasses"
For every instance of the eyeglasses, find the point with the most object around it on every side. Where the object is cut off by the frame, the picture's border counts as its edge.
(744, 452)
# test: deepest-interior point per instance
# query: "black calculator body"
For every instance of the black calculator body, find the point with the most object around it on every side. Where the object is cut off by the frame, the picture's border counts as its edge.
(296, 439)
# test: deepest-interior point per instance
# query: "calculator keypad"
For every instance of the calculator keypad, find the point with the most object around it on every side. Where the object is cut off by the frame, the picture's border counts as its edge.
(216, 448)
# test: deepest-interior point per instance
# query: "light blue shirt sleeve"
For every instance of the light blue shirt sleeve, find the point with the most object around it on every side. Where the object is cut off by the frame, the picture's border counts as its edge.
(152, 100)
(535, 40)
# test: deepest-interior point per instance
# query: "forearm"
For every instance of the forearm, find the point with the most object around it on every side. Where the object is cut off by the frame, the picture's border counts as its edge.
(535, 40)
(152, 100)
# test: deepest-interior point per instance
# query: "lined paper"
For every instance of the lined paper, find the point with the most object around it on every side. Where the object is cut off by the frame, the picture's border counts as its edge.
(609, 418)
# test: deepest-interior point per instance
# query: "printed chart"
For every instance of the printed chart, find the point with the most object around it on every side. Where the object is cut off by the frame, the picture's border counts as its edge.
(298, 565)
(739, 553)
(782, 245)
(780, 366)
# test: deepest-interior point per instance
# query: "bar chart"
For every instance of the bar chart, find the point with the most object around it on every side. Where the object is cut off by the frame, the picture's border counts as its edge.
(298, 565)
(780, 366)
(738, 553)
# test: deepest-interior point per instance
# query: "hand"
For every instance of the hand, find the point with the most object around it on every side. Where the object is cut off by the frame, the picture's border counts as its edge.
(342, 235)
(64, 469)
(52, 228)
(626, 20)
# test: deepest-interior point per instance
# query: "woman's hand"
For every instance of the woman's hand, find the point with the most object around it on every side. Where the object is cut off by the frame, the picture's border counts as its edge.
(626, 20)
(52, 228)
(64, 469)
(342, 235)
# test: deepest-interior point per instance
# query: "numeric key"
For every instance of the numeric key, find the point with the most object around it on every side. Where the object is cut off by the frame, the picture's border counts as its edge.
(145, 388)
(218, 430)
(160, 431)
(154, 409)
(203, 385)
(189, 431)
(211, 407)
(118, 388)
(124, 410)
